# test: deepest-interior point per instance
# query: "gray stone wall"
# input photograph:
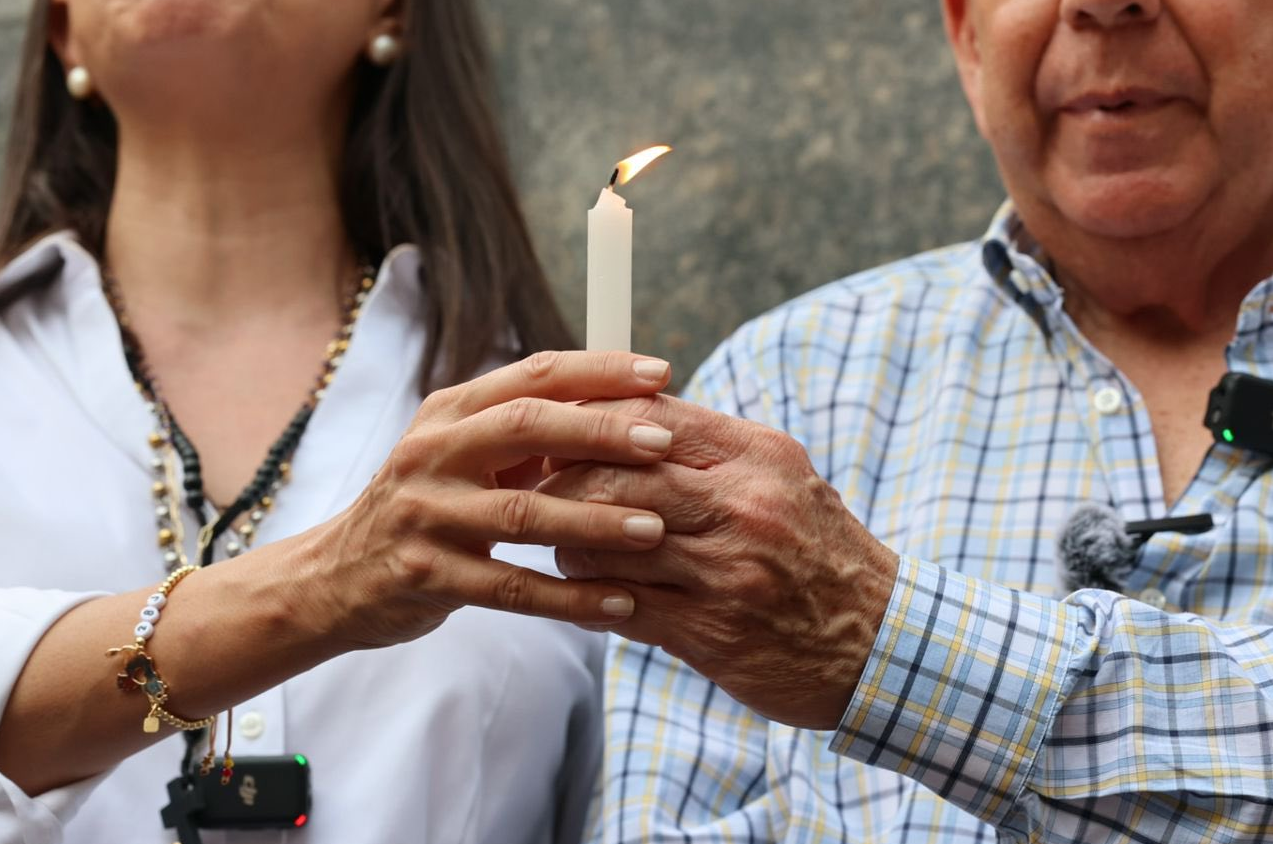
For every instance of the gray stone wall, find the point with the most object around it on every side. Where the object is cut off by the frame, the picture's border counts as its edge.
(12, 22)
(813, 138)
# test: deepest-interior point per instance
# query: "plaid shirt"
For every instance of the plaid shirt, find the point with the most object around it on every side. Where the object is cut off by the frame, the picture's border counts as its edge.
(963, 417)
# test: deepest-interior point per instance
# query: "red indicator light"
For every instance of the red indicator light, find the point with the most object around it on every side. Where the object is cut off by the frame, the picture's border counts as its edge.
(301, 819)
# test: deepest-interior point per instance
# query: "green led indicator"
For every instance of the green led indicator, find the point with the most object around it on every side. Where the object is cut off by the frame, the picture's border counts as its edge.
(1227, 434)
(301, 760)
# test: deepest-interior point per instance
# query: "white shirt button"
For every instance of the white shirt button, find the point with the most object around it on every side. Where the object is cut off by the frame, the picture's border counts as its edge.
(1154, 598)
(251, 725)
(1107, 400)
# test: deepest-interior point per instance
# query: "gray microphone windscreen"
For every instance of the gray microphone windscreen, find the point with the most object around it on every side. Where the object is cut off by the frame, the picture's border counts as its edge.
(1094, 550)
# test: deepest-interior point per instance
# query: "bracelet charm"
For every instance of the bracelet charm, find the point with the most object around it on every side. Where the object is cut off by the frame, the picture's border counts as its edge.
(139, 670)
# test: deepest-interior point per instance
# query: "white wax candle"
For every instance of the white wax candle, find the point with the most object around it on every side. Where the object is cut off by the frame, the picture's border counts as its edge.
(610, 274)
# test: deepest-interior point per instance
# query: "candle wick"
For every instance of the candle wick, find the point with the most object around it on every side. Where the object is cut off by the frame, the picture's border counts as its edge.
(614, 177)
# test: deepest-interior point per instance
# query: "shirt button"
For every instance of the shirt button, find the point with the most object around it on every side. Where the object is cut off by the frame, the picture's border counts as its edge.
(1107, 400)
(1154, 598)
(251, 725)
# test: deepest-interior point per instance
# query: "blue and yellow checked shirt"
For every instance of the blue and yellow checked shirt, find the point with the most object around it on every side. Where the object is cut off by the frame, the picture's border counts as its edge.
(954, 404)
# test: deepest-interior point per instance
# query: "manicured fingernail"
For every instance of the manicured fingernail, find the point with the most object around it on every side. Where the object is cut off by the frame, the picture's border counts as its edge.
(643, 528)
(651, 438)
(654, 370)
(618, 605)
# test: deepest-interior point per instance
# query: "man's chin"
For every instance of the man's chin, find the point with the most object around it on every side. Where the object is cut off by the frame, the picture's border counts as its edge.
(1126, 208)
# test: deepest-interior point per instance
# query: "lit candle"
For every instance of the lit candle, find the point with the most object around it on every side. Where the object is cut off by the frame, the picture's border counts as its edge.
(610, 259)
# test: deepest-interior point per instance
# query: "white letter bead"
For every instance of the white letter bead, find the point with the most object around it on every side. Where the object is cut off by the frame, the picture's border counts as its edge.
(144, 630)
(157, 601)
(150, 614)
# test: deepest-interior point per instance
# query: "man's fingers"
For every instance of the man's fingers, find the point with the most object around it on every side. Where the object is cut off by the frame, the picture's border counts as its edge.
(532, 518)
(677, 564)
(558, 376)
(658, 614)
(681, 495)
(500, 586)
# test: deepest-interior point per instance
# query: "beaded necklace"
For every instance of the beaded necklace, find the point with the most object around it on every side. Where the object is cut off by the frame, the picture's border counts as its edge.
(240, 519)
(171, 446)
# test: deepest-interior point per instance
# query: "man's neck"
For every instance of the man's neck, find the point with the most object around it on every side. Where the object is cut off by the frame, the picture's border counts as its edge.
(1181, 287)
(1163, 312)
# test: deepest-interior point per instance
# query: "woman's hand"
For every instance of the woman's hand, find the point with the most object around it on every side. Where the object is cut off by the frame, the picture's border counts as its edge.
(416, 544)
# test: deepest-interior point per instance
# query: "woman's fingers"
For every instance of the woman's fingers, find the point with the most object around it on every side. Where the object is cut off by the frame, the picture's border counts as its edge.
(504, 436)
(531, 518)
(438, 500)
(698, 431)
(558, 376)
(500, 586)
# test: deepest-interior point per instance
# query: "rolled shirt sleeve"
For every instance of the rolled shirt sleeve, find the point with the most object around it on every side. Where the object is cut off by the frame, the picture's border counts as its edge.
(1091, 719)
(25, 615)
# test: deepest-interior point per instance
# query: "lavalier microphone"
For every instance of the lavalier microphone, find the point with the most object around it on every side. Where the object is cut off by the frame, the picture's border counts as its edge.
(1096, 549)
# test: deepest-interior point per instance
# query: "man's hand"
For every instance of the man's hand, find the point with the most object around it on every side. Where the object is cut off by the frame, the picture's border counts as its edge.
(764, 582)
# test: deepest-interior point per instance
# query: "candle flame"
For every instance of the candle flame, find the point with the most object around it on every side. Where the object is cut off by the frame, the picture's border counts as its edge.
(626, 169)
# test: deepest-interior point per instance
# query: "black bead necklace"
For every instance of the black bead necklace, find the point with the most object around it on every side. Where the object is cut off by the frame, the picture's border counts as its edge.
(171, 445)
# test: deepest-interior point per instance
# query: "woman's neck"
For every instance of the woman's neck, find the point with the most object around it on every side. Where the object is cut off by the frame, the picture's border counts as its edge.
(232, 263)
(198, 235)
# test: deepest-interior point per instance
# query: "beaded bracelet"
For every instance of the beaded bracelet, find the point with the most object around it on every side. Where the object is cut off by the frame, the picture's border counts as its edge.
(139, 669)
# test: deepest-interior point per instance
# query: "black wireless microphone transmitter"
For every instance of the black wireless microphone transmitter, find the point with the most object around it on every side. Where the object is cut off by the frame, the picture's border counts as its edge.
(270, 792)
(1240, 412)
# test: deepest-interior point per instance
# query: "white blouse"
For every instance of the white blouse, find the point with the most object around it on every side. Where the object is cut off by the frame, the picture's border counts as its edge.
(486, 730)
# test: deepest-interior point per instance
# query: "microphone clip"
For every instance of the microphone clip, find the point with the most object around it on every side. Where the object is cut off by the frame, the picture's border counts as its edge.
(1188, 525)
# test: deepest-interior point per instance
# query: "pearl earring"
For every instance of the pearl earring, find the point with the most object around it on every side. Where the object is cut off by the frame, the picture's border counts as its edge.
(384, 49)
(78, 83)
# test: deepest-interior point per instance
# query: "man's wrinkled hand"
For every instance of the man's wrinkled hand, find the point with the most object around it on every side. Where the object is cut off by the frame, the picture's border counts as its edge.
(764, 582)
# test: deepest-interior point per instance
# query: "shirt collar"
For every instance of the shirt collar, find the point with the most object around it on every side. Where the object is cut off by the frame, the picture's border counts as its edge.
(71, 324)
(1017, 261)
(1018, 264)
(1021, 269)
(58, 255)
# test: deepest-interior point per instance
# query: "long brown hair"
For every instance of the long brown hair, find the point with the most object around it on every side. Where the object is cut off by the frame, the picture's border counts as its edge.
(424, 164)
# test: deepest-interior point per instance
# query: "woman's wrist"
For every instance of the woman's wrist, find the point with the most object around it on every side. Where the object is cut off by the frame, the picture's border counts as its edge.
(241, 627)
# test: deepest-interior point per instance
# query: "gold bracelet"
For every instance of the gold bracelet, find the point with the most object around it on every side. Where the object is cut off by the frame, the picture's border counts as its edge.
(171, 720)
(139, 669)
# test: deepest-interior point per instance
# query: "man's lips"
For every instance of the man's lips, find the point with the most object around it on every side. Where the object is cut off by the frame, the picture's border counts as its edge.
(1116, 101)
